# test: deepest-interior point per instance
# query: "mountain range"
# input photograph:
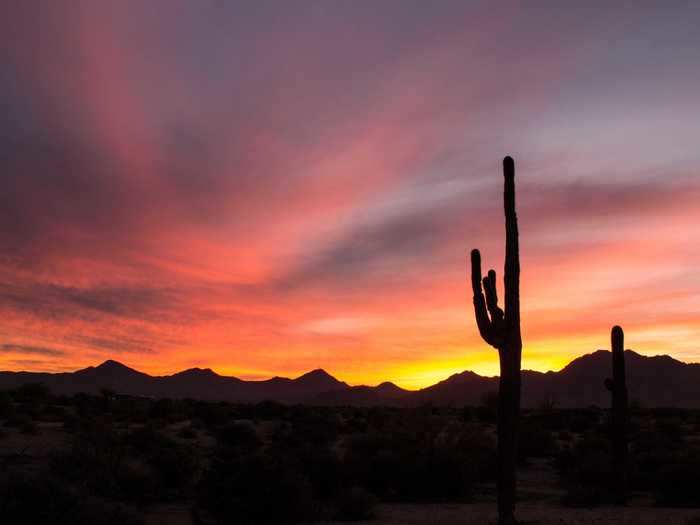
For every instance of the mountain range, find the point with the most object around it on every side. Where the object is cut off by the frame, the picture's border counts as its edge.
(658, 381)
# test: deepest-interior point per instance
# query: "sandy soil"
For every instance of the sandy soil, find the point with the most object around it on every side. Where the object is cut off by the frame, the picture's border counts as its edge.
(484, 514)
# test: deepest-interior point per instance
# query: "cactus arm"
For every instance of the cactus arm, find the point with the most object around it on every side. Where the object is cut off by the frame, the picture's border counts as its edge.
(482, 317)
(511, 276)
(492, 298)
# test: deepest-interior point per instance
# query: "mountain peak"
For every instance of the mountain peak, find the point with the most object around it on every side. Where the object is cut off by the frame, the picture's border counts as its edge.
(319, 378)
(197, 372)
(112, 365)
(601, 357)
(388, 388)
(110, 370)
(316, 373)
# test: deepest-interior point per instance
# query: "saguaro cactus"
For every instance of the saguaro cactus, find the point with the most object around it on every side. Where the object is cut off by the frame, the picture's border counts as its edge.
(501, 329)
(618, 388)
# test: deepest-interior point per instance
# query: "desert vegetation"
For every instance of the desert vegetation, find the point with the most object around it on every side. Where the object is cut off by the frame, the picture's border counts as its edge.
(104, 459)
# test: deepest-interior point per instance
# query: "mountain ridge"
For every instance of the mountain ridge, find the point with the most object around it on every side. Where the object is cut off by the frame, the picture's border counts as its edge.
(659, 380)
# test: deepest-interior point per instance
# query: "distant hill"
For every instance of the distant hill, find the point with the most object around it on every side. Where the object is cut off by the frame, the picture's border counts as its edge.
(659, 381)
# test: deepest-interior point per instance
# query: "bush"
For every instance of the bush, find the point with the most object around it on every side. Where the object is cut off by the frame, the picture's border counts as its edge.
(187, 432)
(32, 501)
(140, 467)
(256, 490)
(487, 412)
(535, 441)
(6, 406)
(355, 504)
(173, 464)
(32, 393)
(587, 473)
(677, 483)
(238, 435)
(29, 427)
(419, 462)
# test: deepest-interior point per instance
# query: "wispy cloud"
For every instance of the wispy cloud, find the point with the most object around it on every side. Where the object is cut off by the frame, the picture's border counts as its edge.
(32, 350)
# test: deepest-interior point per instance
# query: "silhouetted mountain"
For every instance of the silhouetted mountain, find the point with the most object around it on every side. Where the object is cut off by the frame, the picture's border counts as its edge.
(465, 388)
(390, 390)
(652, 381)
(320, 380)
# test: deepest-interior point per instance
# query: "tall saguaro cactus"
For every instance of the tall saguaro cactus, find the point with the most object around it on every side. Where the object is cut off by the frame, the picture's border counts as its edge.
(501, 329)
(618, 388)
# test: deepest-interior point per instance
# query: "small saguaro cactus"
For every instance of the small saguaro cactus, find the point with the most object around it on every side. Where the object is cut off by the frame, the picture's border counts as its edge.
(501, 329)
(618, 388)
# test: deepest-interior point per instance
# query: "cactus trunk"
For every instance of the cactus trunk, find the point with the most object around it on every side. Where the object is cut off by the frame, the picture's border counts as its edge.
(618, 389)
(501, 329)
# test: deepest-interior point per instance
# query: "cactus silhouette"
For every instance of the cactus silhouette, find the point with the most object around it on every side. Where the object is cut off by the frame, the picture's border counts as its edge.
(501, 329)
(618, 388)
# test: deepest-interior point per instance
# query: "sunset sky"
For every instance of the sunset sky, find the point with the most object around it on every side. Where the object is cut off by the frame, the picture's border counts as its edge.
(265, 188)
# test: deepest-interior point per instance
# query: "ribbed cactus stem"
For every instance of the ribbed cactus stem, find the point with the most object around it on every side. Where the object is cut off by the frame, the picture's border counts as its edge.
(618, 388)
(501, 329)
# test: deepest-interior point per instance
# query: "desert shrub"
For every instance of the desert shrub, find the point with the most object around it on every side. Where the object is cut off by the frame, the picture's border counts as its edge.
(187, 432)
(162, 409)
(586, 472)
(256, 489)
(135, 481)
(140, 466)
(547, 419)
(652, 452)
(318, 463)
(32, 393)
(487, 411)
(583, 420)
(42, 500)
(468, 414)
(53, 413)
(23, 422)
(6, 405)
(16, 420)
(677, 482)
(314, 425)
(355, 504)
(240, 435)
(130, 410)
(420, 463)
(535, 441)
(211, 414)
(29, 427)
(71, 423)
(671, 428)
(269, 410)
(93, 460)
(174, 465)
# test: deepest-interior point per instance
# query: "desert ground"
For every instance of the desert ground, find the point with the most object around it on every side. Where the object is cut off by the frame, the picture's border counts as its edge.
(153, 462)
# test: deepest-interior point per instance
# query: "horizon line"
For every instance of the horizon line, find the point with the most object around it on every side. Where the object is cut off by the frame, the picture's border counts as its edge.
(332, 375)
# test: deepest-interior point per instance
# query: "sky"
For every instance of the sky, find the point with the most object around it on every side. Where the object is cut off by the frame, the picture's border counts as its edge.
(265, 188)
